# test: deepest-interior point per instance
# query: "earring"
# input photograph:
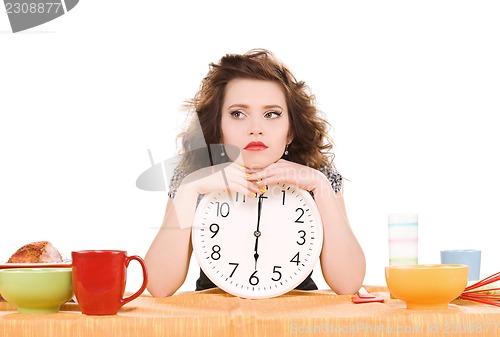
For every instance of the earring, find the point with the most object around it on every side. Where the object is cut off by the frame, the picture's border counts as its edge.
(222, 153)
(286, 150)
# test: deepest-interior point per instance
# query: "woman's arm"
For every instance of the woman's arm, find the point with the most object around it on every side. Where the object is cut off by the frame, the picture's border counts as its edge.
(168, 256)
(342, 259)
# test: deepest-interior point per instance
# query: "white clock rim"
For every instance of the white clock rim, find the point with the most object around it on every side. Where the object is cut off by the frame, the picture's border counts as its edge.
(290, 286)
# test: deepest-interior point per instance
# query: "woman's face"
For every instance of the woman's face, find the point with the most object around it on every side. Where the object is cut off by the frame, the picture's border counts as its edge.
(255, 120)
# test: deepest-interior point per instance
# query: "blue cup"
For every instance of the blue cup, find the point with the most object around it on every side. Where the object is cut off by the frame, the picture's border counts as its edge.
(470, 257)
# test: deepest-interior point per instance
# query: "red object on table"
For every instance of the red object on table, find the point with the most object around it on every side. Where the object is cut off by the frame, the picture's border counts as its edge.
(485, 295)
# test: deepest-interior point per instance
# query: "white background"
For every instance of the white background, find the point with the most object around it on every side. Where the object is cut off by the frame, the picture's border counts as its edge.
(411, 89)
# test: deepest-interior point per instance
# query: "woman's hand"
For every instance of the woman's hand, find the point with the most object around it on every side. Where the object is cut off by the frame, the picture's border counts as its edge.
(225, 176)
(284, 171)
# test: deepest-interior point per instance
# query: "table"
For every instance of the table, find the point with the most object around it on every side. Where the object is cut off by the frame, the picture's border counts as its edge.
(298, 313)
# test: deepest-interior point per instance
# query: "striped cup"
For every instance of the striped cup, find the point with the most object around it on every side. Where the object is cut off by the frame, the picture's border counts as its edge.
(403, 239)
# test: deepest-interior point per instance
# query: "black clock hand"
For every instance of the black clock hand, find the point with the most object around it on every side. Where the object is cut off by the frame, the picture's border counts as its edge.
(256, 255)
(257, 231)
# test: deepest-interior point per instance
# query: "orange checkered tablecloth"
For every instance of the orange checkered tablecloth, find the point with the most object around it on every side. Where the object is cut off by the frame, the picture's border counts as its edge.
(298, 313)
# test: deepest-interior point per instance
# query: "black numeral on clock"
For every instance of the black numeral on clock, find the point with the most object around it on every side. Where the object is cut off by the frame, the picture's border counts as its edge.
(301, 211)
(295, 259)
(253, 280)
(222, 209)
(243, 198)
(235, 266)
(215, 252)
(276, 271)
(303, 237)
(214, 228)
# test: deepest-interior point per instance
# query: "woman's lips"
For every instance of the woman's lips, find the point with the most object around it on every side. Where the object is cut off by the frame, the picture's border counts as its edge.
(255, 146)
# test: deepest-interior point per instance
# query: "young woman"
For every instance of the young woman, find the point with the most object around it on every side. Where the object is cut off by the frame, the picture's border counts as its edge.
(270, 131)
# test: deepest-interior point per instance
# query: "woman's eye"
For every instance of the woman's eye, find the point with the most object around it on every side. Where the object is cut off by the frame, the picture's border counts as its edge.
(272, 114)
(237, 114)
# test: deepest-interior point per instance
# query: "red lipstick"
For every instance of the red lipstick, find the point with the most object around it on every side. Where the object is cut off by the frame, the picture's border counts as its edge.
(255, 146)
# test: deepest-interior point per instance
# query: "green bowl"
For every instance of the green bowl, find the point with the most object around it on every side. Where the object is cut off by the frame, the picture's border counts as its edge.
(36, 290)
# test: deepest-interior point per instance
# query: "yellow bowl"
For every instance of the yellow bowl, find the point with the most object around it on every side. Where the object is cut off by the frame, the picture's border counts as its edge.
(36, 290)
(427, 286)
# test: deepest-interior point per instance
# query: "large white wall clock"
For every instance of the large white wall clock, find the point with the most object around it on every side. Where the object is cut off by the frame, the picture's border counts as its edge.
(258, 247)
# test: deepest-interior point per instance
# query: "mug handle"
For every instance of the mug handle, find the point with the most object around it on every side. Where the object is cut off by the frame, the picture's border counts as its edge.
(125, 300)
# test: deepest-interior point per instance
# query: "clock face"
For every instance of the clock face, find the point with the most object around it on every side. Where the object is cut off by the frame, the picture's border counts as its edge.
(258, 247)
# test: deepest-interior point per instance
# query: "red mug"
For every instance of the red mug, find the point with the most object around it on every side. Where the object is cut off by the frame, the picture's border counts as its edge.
(99, 278)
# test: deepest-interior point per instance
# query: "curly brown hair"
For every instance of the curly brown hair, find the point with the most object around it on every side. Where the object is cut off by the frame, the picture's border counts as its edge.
(311, 142)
